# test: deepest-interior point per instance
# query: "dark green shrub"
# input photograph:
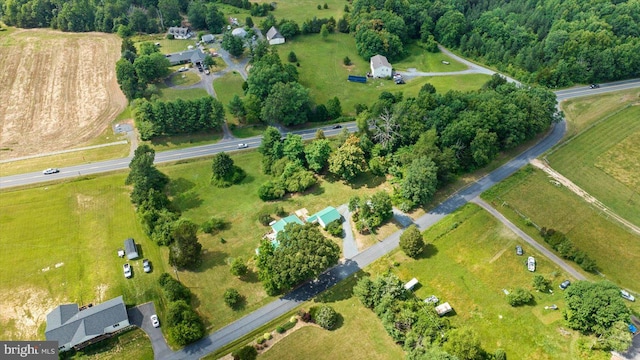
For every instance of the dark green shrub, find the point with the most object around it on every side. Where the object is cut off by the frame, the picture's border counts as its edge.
(213, 225)
(335, 228)
(264, 217)
(245, 353)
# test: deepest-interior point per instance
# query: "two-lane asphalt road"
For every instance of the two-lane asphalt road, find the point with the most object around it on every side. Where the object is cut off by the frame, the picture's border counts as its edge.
(161, 157)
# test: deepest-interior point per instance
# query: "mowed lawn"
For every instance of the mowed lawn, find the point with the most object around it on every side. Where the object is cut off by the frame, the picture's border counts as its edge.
(371, 342)
(422, 60)
(469, 263)
(584, 111)
(226, 87)
(60, 246)
(301, 10)
(530, 192)
(605, 160)
(322, 71)
(199, 200)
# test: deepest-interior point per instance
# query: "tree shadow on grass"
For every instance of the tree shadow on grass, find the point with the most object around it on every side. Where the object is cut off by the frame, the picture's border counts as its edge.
(339, 322)
(187, 200)
(179, 185)
(429, 251)
(250, 277)
(367, 180)
(210, 259)
(248, 179)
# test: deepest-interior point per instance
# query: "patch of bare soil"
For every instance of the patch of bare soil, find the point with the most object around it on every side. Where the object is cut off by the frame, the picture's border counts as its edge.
(22, 311)
(57, 90)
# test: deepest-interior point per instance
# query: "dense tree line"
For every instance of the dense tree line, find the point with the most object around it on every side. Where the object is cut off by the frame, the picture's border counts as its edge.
(184, 324)
(424, 142)
(135, 71)
(303, 253)
(565, 247)
(122, 16)
(159, 118)
(160, 220)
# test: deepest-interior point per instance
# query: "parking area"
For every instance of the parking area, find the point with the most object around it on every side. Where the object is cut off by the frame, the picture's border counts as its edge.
(139, 316)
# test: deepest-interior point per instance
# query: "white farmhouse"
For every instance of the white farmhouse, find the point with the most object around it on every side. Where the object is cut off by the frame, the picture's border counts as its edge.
(380, 67)
(274, 37)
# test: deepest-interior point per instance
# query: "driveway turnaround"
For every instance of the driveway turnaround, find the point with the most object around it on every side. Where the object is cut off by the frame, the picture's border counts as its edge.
(139, 316)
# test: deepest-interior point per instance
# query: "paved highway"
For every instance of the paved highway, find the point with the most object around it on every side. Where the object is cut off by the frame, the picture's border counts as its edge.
(161, 157)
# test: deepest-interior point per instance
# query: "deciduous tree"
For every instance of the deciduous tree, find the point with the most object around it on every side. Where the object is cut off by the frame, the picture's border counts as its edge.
(411, 241)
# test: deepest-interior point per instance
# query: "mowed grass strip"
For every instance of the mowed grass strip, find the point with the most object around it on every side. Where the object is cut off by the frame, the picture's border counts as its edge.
(470, 261)
(169, 94)
(133, 344)
(322, 71)
(371, 341)
(422, 60)
(577, 161)
(301, 10)
(584, 111)
(533, 194)
(60, 246)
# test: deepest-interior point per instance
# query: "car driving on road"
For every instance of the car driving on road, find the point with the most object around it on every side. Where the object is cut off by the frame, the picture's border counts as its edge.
(242, 146)
(625, 294)
(594, 86)
(50, 171)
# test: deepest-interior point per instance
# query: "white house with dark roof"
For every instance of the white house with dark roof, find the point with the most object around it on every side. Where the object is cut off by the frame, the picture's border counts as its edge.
(274, 37)
(179, 32)
(72, 327)
(380, 67)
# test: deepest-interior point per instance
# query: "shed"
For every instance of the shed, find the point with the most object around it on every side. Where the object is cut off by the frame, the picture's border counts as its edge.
(208, 38)
(443, 309)
(380, 66)
(131, 249)
(325, 216)
(274, 37)
(411, 284)
(239, 32)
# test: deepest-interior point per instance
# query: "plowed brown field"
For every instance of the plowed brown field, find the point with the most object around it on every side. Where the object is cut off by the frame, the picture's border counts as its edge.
(57, 90)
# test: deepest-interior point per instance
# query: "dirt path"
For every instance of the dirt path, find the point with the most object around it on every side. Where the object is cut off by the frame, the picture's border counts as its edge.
(561, 180)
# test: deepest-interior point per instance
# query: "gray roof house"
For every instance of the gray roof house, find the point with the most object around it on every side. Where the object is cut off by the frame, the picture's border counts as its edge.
(274, 37)
(208, 38)
(380, 66)
(73, 327)
(130, 249)
(179, 32)
(189, 56)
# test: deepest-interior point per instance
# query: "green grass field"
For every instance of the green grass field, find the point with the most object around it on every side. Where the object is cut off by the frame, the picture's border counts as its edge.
(371, 342)
(184, 78)
(530, 192)
(584, 111)
(166, 46)
(603, 160)
(170, 94)
(422, 60)
(301, 10)
(248, 131)
(238, 205)
(323, 72)
(470, 261)
(62, 240)
(183, 141)
(226, 87)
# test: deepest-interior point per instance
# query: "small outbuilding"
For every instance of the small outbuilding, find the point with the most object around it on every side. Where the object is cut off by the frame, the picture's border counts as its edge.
(380, 67)
(325, 216)
(208, 38)
(239, 32)
(274, 37)
(443, 309)
(131, 249)
(411, 284)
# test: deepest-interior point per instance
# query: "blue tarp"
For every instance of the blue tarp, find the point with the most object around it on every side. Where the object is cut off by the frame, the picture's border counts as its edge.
(360, 79)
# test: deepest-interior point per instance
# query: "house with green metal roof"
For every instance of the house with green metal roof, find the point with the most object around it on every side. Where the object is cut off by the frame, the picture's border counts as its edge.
(325, 216)
(280, 224)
